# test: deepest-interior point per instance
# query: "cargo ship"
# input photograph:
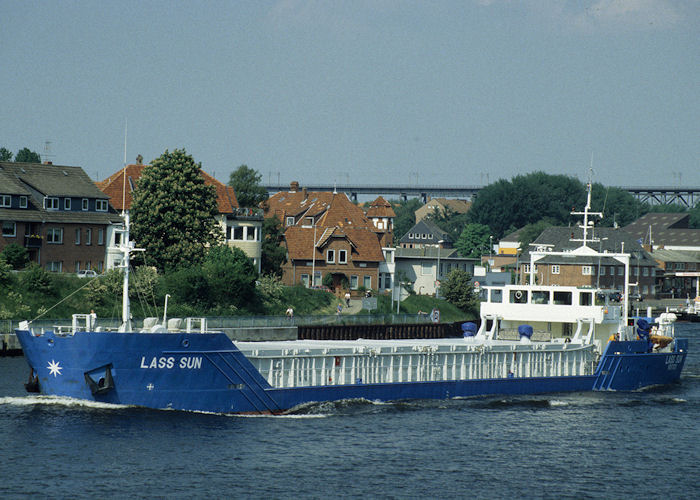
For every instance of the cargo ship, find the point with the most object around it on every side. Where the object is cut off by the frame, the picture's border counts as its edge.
(531, 339)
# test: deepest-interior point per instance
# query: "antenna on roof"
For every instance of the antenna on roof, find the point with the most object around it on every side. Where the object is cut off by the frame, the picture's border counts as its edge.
(47, 151)
(126, 123)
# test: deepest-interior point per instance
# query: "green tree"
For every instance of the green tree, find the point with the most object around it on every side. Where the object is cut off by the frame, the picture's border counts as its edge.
(473, 240)
(405, 216)
(530, 232)
(695, 217)
(619, 207)
(5, 154)
(509, 205)
(25, 155)
(5, 271)
(274, 254)
(245, 182)
(458, 290)
(450, 222)
(173, 212)
(15, 255)
(230, 275)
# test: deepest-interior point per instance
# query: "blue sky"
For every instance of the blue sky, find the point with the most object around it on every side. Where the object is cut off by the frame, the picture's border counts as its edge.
(370, 92)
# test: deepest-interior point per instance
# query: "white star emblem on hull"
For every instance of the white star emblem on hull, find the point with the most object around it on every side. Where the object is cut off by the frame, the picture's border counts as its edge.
(54, 368)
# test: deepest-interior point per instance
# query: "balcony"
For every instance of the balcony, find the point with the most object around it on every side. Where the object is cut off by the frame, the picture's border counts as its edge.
(33, 241)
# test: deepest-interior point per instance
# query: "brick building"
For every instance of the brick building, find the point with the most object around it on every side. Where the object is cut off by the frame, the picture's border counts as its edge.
(583, 270)
(56, 213)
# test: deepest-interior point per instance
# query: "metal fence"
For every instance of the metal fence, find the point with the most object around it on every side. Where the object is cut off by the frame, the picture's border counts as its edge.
(215, 322)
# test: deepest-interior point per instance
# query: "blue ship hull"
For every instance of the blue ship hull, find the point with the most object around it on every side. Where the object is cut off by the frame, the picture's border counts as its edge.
(206, 372)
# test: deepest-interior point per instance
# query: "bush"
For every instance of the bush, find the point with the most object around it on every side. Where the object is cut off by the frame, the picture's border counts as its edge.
(16, 256)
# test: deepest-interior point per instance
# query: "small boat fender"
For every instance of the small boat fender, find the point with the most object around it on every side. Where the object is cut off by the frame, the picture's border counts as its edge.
(469, 329)
(525, 332)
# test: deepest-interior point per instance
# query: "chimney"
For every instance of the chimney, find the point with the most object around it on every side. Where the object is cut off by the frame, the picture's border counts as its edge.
(139, 159)
(294, 186)
(304, 192)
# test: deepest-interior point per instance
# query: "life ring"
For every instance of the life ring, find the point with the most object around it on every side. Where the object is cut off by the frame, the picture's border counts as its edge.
(518, 294)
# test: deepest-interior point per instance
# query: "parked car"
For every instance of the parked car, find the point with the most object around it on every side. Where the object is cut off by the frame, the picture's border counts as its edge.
(86, 273)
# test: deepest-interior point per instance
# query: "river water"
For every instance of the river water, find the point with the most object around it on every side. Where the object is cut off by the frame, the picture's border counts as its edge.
(584, 445)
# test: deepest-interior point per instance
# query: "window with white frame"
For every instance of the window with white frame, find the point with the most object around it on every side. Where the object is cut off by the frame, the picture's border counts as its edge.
(54, 266)
(330, 256)
(100, 236)
(77, 236)
(86, 204)
(555, 269)
(645, 271)
(305, 280)
(101, 205)
(621, 271)
(526, 268)
(23, 202)
(317, 278)
(342, 256)
(51, 203)
(290, 221)
(353, 282)
(66, 203)
(88, 236)
(5, 200)
(602, 270)
(367, 282)
(587, 270)
(9, 229)
(54, 235)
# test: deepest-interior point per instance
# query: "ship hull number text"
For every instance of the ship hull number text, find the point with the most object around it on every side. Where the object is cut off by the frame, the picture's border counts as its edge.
(169, 362)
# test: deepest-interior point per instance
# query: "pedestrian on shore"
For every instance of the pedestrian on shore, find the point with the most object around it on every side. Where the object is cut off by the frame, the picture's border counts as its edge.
(347, 299)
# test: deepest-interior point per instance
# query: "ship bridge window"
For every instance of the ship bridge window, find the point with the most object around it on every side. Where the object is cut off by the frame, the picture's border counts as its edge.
(585, 298)
(497, 295)
(540, 297)
(518, 297)
(562, 298)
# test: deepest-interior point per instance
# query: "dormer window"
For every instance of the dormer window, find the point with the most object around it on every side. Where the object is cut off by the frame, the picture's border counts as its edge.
(101, 205)
(5, 200)
(66, 203)
(23, 202)
(330, 256)
(290, 221)
(85, 204)
(51, 203)
(342, 257)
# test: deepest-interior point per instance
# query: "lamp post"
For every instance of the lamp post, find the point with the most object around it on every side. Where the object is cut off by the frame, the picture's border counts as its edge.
(437, 271)
(490, 251)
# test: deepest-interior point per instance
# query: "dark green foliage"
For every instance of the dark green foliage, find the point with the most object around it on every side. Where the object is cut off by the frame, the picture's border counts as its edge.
(530, 232)
(173, 212)
(405, 216)
(5, 154)
(274, 254)
(695, 217)
(25, 155)
(230, 275)
(458, 290)
(617, 205)
(15, 255)
(328, 280)
(36, 280)
(508, 205)
(450, 222)
(669, 208)
(474, 240)
(245, 182)
(5, 271)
